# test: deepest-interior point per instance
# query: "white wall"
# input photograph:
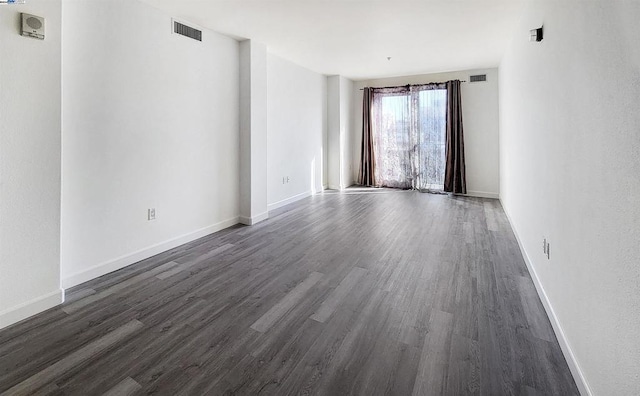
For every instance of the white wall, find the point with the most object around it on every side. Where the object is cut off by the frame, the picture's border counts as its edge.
(346, 126)
(296, 130)
(339, 118)
(334, 145)
(29, 163)
(570, 171)
(253, 132)
(480, 120)
(150, 119)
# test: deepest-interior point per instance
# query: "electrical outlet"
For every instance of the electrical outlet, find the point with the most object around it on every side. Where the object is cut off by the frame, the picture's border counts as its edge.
(548, 254)
(287, 179)
(151, 214)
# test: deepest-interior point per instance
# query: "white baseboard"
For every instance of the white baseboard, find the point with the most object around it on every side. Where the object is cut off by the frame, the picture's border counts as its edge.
(128, 259)
(255, 219)
(289, 200)
(30, 308)
(572, 362)
(482, 194)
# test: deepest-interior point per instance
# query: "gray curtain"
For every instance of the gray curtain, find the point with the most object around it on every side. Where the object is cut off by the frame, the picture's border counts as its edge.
(367, 163)
(454, 174)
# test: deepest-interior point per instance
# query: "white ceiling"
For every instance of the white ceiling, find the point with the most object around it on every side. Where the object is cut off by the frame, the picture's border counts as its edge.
(353, 38)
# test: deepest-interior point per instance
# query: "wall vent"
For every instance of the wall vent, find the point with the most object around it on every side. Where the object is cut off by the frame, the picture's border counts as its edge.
(478, 77)
(187, 31)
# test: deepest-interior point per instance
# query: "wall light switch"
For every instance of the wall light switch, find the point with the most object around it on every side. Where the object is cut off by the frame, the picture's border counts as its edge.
(151, 214)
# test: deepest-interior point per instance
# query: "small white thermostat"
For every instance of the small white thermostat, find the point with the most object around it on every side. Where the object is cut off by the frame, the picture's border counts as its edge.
(32, 26)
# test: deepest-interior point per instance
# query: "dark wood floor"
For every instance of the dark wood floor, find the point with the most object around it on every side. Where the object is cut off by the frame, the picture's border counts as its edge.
(396, 293)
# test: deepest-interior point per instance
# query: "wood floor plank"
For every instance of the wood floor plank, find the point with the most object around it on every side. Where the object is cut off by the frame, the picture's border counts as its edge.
(433, 370)
(73, 360)
(149, 348)
(127, 387)
(326, 360)
(78, 295)
(463, 372)
(534, 313)
(77, 305)
(280, 309)
(337, 296)
(35, 350)
(205, 255)
(171, 272)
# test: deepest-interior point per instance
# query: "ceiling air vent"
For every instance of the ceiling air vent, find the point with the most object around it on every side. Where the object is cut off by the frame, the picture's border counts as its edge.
(187, 31)
(478, 77)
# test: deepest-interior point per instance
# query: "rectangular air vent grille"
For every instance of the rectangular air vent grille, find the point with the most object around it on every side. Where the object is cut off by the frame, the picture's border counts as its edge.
(187, 31)
(479, 77)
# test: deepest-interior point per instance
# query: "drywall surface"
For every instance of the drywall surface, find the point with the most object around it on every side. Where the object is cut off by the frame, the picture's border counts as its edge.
(253, 132)
(150, 120)
(346, 125)
(339, 116)
(29, 163)
(334, 145)
(570, 171)
(480, 120)
(296, 126)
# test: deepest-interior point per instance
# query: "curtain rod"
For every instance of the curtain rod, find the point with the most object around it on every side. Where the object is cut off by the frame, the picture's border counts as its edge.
(408, 85)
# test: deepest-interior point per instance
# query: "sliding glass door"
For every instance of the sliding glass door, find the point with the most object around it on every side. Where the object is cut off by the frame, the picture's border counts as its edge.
(430, 135)
(409, 133)
(391, 116)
